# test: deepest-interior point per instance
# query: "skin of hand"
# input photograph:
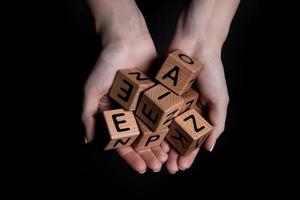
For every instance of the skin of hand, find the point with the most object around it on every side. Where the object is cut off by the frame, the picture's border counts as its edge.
(126, 44)
(201, 31)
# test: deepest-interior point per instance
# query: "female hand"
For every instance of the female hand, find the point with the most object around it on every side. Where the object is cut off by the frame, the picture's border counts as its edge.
(126, 44)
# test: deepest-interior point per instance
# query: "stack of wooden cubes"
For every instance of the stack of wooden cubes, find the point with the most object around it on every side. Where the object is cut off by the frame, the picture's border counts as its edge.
(153, 111)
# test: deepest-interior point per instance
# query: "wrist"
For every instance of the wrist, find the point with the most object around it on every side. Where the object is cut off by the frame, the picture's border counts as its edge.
(198, 38)
(197, 46)
(204, 25)
(117, 31)
(118, 20)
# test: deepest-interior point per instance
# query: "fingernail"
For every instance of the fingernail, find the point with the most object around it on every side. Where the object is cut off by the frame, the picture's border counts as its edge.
(173, 172)
(142, 172)
(182, 169)
(212, 147)
(85, 140)
(155, 171)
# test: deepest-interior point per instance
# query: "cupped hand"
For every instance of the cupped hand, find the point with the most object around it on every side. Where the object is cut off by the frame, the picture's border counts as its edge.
(213, 99)
(201, 31)
(123, 54)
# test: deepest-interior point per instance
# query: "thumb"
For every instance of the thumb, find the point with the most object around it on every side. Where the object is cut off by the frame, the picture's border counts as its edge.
(217, 117)
(90, 108)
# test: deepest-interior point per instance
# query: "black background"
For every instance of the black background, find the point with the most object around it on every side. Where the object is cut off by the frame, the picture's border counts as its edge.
(247, 151)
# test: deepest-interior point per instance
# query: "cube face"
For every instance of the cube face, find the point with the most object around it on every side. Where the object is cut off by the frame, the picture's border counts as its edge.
(122, 128)
(178, 72)
(127, 87)
(188, 131)
(148, 138)
(190, 99)
(193, 124)
(158, 107)
(179, 139)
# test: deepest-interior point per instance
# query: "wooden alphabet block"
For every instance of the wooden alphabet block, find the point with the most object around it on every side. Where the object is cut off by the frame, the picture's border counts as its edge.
(148, 138)
(127, 87)
(190, 99)
(122, 128)
(178, 72)
(158, 107)
(188, 131)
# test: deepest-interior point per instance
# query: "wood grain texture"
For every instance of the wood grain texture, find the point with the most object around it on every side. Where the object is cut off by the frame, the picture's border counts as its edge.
(190, 99)
(179, 71)
(122, 128)
(127, 87)
(188, 132)
(147, 138)
(158, 107)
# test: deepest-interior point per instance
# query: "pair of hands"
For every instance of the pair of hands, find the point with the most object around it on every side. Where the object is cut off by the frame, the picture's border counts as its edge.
(128, 44)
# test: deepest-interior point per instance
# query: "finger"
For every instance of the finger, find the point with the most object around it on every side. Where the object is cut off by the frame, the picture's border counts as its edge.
(217, 116)
(151, 160)
(133, 159)
(165, 146)
(172, 162)
(185, 162)
(90, 108)
(160, 154)
(105, 103)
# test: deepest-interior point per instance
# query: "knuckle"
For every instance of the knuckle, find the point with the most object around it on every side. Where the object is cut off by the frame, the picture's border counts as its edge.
(227, 99)
(219, 130)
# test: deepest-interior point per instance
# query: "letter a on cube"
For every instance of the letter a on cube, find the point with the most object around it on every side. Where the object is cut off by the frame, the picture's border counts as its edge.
(179, 72)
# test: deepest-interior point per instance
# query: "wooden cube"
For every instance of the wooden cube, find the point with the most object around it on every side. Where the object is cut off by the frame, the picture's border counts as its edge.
(148, 138)
(158, 107)
(188, 131)
(190, 99)
(122, 128)
(178, 72)
(127, 87)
